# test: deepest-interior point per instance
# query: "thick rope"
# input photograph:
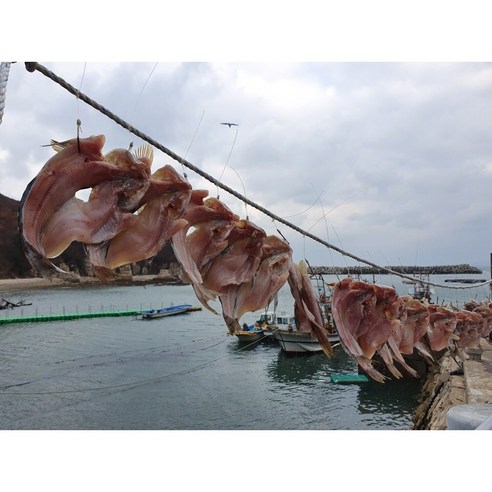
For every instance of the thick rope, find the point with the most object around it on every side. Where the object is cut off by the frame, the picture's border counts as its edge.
(33, 66)
(4, 77)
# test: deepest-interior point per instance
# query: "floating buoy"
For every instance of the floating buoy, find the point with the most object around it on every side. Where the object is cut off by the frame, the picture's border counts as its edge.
(348, 378)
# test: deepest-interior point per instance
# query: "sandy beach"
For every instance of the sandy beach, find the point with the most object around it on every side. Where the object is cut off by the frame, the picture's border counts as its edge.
(10, 284)
(20, 284)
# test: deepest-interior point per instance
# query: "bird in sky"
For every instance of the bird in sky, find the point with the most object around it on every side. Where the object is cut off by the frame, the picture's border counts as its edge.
(230, 124)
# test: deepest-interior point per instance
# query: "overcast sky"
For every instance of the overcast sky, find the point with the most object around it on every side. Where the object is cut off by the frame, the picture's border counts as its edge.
(389, 161)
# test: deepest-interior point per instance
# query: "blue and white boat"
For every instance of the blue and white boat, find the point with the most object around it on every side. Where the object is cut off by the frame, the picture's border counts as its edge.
(167, 311)
(251, 333)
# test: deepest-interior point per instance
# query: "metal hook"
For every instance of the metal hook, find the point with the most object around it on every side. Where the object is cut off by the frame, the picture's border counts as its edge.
(79, 129)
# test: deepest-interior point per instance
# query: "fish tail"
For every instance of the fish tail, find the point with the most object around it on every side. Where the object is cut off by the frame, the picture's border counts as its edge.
(104, 274)
(327, 349)
(366, 365)
(232, 324)
(45, 267)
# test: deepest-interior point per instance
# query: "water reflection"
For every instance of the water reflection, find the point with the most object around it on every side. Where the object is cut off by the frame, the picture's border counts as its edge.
(390, 397)
(297, 368)
(294, 368)
(190, 362)
(236, 346)
(239, 346)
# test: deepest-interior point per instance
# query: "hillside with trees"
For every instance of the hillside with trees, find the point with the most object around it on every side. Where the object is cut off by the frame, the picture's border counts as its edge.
(13, 263)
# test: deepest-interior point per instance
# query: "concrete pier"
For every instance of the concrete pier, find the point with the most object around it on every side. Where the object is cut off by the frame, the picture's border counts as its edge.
(448, 387)
(478, 376)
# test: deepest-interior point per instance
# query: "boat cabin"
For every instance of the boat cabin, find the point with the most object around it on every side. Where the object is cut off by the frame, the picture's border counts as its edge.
(271, 318)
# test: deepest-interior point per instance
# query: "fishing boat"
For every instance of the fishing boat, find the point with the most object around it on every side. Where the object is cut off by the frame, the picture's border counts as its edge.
(251, 333)
(270, 322)
(422, 290)
(300, 341)
(283, 327)
(293, 340)
(167, 311)
(264, 328)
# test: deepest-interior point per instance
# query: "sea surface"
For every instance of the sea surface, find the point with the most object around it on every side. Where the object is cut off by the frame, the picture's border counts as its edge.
(183, 372)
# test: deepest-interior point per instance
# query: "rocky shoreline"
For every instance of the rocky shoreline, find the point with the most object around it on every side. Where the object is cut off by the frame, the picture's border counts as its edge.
(166, 277)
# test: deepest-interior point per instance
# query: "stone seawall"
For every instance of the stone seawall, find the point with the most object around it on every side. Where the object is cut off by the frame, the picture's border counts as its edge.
(444, 388)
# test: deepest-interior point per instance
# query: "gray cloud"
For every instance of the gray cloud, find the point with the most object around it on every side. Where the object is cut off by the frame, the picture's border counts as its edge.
(399, 152)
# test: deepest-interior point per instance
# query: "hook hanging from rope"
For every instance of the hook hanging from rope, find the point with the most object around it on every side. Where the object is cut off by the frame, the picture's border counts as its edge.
(79, 130)
(79, 121)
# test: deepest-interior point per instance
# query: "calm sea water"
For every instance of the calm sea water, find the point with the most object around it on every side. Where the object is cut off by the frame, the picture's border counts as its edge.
(178, 373)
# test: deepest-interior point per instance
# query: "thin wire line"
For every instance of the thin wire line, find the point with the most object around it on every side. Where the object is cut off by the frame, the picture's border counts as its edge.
(141, 92)
(244, 191)
(194, 135)
(80, 88)
(192, 140)
(228, 157)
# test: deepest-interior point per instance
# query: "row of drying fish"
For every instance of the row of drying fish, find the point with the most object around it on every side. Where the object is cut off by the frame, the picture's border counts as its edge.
(374, 320)
(130, 215)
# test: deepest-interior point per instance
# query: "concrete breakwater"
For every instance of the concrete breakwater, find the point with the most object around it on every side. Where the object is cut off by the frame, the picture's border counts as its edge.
(407, 270)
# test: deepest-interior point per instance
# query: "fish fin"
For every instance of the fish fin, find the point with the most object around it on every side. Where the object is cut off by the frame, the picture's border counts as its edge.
(144, 153)
(58, 146)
